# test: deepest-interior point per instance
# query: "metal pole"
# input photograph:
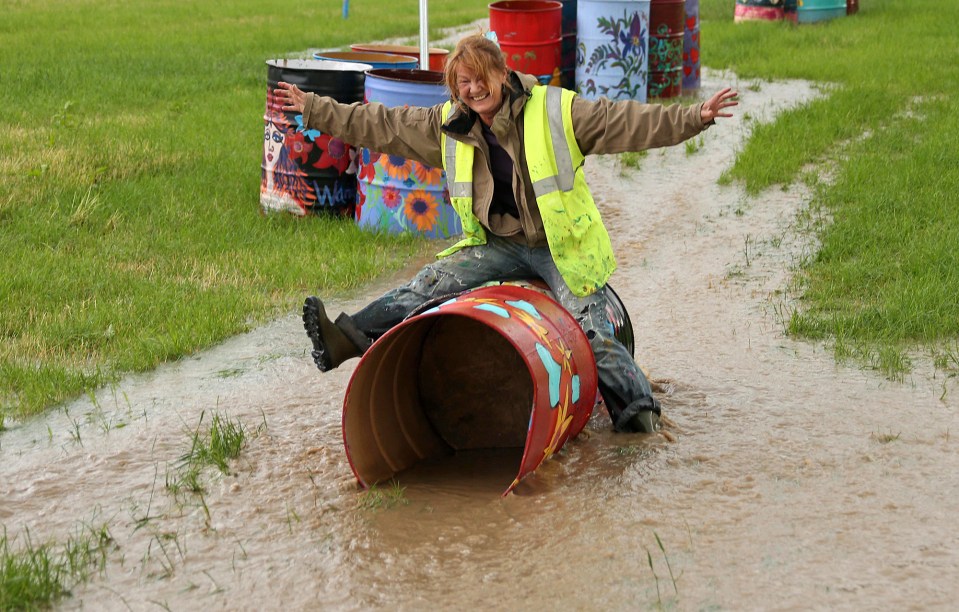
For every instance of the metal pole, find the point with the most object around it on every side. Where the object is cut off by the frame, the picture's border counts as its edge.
(424, 37)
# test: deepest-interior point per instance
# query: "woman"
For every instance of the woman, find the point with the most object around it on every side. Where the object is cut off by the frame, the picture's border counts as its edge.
(513, 151)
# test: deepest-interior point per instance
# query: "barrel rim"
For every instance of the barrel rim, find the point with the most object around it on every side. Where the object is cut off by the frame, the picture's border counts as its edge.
(371, 56)
(534, 6)
(317, 65)
(397, 74)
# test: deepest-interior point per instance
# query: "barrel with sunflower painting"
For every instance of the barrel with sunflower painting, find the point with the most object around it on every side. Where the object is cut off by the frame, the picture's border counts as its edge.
(396, 194)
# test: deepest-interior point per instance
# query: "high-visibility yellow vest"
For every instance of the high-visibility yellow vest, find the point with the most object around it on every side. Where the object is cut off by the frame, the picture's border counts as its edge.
(577, 238)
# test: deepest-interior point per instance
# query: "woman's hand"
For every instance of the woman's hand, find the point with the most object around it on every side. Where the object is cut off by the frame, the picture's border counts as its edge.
(290, 96)
(714, 106)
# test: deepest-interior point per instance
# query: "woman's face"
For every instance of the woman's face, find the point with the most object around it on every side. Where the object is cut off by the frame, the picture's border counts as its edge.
(272, 143)
(482, 97)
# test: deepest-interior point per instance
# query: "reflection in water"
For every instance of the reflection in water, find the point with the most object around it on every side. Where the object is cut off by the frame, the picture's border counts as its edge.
(793, 483)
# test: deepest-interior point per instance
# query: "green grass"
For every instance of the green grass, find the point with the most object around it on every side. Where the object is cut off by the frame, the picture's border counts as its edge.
(886, 167)
(129, 183)
(130, 132)
(35, 576)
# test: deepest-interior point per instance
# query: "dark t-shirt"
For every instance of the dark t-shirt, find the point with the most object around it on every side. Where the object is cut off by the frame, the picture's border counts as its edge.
(502, 168)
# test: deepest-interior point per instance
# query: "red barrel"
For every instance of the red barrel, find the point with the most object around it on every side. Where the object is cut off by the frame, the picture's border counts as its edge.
(530, 35)
(437, 56)
(667, 30)
(852, 6)
(497, 367)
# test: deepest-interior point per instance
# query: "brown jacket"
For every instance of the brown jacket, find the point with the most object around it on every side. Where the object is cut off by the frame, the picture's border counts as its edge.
(601, 126)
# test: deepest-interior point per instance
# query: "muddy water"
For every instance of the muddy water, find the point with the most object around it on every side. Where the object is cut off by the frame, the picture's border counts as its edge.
(792, 482)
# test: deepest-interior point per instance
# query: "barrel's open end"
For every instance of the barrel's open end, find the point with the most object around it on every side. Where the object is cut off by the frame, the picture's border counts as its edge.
(498, 367)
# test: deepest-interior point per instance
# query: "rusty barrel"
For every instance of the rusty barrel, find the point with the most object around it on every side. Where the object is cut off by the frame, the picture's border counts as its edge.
(496, 367)
(758, 10)
(437, 57)
(692, 68)
(374, 60)
(612, 54)
(530, 35)
(667, 30)
(306, 171)
(396, 194)
(852, 7)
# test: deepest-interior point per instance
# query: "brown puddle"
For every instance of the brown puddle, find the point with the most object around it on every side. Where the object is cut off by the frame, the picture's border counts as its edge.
(793, 482)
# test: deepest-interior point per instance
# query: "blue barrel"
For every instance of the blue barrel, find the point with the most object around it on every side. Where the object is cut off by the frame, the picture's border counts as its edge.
(812, 11)
(376, 60)
(307, 171)
(612, 53)
(396, 194)
(692, 69)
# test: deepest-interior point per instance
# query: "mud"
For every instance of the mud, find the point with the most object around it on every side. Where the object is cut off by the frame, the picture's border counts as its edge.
(792, 482)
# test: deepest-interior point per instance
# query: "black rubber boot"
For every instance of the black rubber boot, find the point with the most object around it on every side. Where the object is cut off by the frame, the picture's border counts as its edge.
(333, 343)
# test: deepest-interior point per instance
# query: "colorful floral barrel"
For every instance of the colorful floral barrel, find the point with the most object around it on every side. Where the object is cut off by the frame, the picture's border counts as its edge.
(496, 367)
(306, 171)
(692, 69)
(758, 10)
(612, 54)
(667, 30)
(530, 35)
(396, 194)
(375, 60)
(814, 11)
(437, 57)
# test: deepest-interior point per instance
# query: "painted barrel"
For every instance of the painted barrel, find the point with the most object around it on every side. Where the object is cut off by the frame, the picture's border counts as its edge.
(612, 54)
(567, 53)
(814, 11)
(496, 367)
(396, 194)
(437, 57)
(692, 68)
(530, 35)
(307, 171)
(852, 7)
(667, 30)
(790, 9)
(758, 10)
(375, 60)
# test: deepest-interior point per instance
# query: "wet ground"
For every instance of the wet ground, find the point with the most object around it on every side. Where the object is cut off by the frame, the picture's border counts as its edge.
(791, 483)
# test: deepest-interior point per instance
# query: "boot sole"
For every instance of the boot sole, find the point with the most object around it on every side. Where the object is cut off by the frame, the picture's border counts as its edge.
(313, 316)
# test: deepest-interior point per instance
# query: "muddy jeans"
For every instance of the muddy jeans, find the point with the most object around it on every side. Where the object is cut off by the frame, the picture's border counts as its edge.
(623, 385)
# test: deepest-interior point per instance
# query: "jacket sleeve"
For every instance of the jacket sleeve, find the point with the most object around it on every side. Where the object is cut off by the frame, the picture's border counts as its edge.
(604, 126)
(412, 132)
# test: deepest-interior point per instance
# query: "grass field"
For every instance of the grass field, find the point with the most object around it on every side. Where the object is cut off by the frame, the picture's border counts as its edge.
(131, 143)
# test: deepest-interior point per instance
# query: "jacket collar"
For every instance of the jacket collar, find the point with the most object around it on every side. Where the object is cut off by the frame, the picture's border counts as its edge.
(461, 121)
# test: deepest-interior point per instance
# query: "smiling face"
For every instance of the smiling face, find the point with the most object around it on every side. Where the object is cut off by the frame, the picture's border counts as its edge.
(482, 97)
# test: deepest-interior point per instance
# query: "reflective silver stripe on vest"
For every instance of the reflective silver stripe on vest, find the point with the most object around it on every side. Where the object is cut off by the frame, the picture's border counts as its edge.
(460, 189)
(564, 160)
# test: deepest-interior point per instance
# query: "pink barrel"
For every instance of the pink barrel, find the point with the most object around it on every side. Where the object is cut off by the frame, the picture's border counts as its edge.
(530, 35)
(758, 10)
(497, 367)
